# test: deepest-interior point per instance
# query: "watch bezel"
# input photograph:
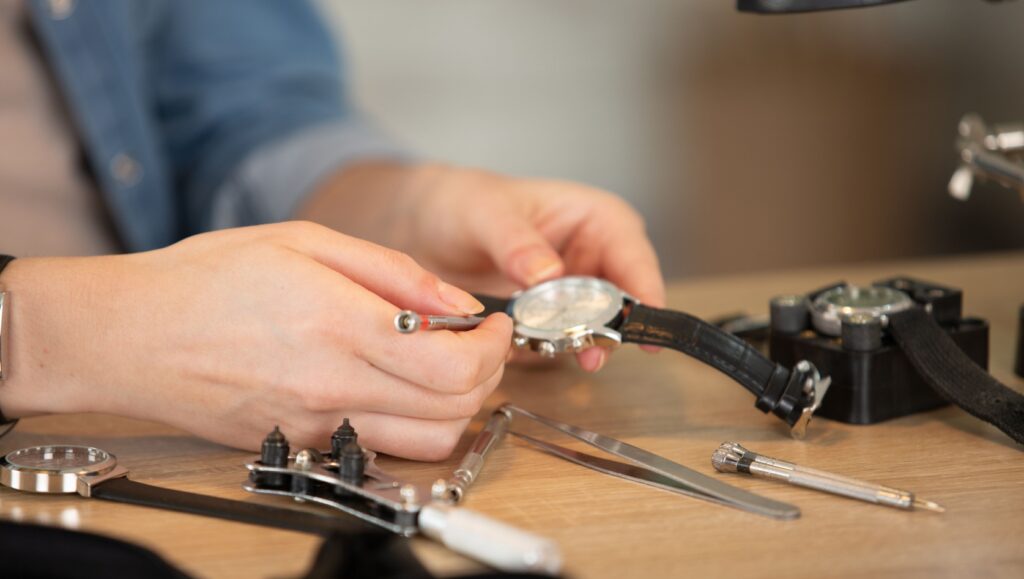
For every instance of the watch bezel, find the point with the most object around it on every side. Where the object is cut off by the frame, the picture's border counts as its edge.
(595, 332)
(827, 317)
(53, 480)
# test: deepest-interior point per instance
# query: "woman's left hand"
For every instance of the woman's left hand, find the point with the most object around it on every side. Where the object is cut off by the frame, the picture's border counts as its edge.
(493, 234)
(487, 232)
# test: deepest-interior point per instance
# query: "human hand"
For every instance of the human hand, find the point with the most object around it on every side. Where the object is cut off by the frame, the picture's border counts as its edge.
(497, 234)
(226, 334)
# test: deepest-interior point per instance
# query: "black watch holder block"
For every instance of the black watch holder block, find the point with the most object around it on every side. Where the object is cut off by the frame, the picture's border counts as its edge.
(874, 381)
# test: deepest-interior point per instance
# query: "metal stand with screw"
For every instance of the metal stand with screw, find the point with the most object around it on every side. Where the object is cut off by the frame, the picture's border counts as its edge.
(988, 153)
(348, 479)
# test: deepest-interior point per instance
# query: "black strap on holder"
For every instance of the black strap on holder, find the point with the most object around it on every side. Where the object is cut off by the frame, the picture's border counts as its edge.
(938, 359)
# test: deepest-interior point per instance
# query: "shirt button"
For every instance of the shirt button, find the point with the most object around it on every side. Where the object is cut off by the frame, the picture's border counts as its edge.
(61, 9)
(125, 169)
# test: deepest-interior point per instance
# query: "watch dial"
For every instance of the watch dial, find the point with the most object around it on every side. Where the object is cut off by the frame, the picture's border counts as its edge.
(58, 458)
(867, 298)
(566, 303)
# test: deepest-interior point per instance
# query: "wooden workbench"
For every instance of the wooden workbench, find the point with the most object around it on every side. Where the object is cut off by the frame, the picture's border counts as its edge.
(673, 406)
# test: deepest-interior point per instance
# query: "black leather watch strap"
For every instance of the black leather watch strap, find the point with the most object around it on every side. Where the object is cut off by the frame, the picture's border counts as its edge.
(772, 383)
(4, 260)
(493, 304)
(128, 491)
(942, 364)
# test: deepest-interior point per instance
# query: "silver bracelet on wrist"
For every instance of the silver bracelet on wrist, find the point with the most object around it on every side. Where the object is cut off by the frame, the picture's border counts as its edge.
(5, 337)
(5, 304)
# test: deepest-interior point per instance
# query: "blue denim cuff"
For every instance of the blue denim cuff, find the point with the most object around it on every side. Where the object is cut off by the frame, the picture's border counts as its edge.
(270, 184)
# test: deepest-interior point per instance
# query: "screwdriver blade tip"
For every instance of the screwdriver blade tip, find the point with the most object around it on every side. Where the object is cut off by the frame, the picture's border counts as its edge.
(929, 506)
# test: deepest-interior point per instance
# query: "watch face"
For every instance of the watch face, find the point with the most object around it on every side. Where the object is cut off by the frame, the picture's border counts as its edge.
(564, 304)
(832, 306)
(59, 459)
(53, 469)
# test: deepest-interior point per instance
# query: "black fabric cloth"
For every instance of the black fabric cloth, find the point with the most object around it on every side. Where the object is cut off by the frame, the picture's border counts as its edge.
(38, 552)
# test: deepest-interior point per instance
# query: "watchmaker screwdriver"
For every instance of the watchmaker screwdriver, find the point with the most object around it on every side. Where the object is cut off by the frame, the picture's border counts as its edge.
(732, 457)
(454, 489)
(408, 321)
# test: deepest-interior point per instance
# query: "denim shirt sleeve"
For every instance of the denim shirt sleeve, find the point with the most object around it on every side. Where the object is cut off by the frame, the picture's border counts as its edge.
(271, 182)
(243, 89)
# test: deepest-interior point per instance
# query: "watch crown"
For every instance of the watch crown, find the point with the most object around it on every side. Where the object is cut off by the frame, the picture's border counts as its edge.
(520, 341)
(579, 343)
(546, 349)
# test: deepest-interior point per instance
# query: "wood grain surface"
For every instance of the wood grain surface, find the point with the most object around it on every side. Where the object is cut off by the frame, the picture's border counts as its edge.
(666, 403)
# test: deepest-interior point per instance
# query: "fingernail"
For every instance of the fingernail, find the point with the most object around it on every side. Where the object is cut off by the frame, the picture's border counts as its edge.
(541, 266)
(458, 299)
(601, 359)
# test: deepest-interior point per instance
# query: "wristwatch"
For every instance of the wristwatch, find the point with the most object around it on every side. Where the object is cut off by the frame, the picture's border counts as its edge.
(92, 472)
(911, 312)
(571, 314)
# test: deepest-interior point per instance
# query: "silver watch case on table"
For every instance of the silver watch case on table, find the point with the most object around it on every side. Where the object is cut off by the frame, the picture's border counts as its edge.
(58, 469)
(568, 314)
(832, 306)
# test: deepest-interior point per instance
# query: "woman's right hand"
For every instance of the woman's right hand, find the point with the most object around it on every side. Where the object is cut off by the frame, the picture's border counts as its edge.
(229, 333)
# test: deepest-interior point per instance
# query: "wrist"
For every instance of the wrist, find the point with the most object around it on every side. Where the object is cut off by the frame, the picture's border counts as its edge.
(378, 201)
(37, 378)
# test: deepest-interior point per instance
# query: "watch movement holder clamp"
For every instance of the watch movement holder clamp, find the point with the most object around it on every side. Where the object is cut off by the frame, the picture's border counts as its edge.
(872, 378)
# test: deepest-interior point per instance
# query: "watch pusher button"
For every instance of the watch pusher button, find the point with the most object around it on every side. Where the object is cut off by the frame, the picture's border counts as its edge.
(546, 349)
(520, 341)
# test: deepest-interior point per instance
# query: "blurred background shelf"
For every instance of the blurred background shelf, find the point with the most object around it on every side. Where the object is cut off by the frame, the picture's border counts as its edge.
(748, 142)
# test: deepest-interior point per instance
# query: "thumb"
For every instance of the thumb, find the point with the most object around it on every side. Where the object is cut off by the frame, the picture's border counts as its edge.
(518, 249)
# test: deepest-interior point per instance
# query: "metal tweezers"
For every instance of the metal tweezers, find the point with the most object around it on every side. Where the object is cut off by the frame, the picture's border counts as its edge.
(644, 467)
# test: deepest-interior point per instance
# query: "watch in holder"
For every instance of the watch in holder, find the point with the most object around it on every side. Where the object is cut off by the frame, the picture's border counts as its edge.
(896, 347)
(92, 472)
(571, 314)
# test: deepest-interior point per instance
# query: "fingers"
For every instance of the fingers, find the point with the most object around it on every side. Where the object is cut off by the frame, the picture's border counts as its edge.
(592, 359)
(449, 362)
(412, 438)
(379, 391)
(515, 245)
(392, 275)
(631, 263)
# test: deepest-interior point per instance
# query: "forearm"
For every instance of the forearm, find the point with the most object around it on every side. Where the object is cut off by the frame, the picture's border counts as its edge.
(373, 200)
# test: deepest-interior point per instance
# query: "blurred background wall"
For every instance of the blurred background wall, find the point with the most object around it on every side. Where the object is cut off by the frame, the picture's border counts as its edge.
(748, 142)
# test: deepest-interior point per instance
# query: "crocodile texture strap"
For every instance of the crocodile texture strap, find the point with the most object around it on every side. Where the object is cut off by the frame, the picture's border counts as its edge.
(128, 491)
(709, 344)
(493, 305)
(945, 367)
